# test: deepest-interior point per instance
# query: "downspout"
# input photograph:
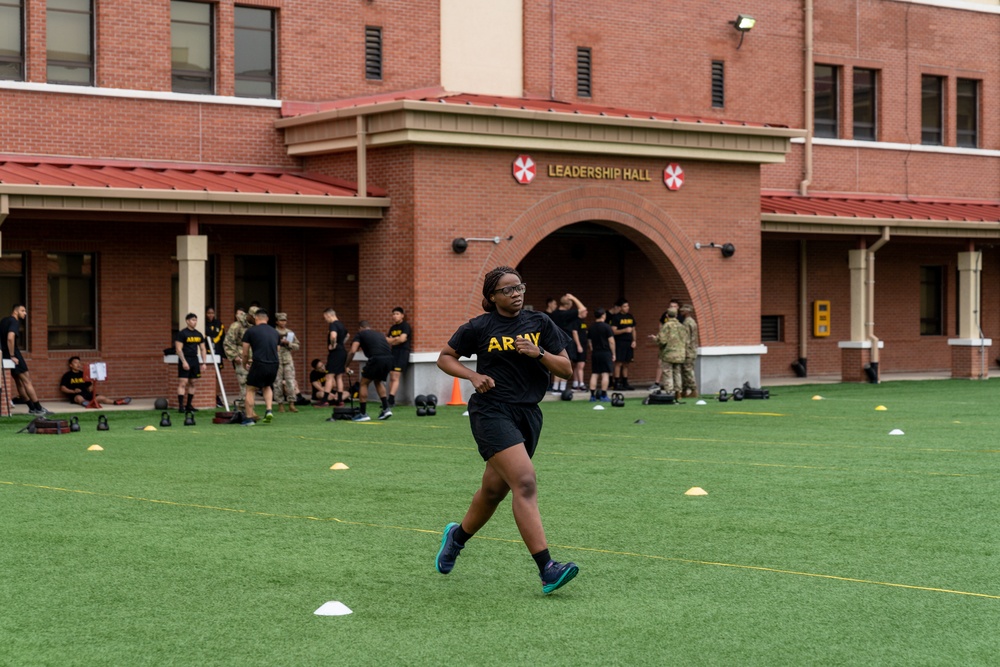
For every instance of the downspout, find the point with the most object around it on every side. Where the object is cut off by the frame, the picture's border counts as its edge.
(552, 49)
(807, 155)
(800, 369)
(870, 299)
(362, 158)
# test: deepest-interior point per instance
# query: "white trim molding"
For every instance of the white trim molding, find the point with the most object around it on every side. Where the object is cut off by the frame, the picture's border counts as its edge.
(162, 95)
(957, 4)
(858, 344)
(892, 146)
(970, 342)
(730, 350)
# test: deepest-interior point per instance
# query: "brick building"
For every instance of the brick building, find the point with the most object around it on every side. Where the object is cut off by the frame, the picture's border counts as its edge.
(157, 156)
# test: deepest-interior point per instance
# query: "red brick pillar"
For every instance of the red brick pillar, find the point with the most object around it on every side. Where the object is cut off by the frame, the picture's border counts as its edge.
(970, 358)
(853, 360)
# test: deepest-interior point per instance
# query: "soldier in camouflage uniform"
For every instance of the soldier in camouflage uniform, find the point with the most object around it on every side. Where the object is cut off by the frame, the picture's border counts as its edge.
(690, 387)
(673, 340)
(233, 345)
(286, 389)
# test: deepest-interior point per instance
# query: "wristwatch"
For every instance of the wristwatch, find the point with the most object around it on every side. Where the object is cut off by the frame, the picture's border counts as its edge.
(541, 353)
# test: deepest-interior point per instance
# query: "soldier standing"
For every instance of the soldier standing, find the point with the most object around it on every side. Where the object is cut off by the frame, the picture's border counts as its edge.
(690, 387)
(286, 389)
(672, 340)
(233, 345)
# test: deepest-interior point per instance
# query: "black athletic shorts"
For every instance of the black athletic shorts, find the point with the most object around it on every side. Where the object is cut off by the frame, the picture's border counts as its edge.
(192, 374)
(261, 374)
(623, 351)
(575, 356)
(400, 360)
(21, 367)
(377, 368)
(500, 426)
(336, 361)
(600, 362)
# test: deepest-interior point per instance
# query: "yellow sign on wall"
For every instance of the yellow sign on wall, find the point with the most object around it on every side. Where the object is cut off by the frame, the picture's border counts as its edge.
(821, 318)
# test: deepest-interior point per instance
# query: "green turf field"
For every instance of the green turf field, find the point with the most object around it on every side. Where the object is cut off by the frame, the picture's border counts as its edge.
(823, 539)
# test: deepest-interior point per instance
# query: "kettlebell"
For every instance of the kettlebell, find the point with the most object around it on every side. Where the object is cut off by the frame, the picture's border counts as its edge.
(737, 394)
(432, 402)
(74, 424)
(566, 395)
(102, 423)
(421, 402)
(164, 418)
(617, 400)
(189, 419)
(723, 396)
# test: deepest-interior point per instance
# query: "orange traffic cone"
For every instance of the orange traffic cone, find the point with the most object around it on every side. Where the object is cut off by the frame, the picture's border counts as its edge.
(456, 394)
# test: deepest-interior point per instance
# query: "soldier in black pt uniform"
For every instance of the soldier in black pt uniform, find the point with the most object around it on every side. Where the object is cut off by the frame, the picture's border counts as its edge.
(262, 341)
(516, 351)
(376, 348)
(189, 344)
(399, 337)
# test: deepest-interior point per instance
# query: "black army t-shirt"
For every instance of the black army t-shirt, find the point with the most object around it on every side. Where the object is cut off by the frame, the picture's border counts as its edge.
(373, 344)
(518, 377)
(341, 330)
(600, 332)
(263, 341)
(398, 330)
(7, 325)
(190, 340)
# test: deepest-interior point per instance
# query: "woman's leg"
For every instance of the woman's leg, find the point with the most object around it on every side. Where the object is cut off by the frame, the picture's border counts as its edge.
(514, 467)
(485, 501)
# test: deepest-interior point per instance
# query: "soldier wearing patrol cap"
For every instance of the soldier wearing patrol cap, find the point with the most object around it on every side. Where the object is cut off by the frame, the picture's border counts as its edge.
(286, 389)
(673, 341)
(233, 345)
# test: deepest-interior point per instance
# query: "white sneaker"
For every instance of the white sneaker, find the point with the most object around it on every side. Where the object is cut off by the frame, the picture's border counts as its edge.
(361, 418)
(385, 414)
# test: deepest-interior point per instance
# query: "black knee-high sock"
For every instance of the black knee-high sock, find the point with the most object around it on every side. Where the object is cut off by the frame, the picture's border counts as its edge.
(190, 398)
(541, 559)
(364, 407)
(385, 403)
(180, 401)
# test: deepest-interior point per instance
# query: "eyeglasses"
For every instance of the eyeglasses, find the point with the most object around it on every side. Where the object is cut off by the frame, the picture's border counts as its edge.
(511, 290)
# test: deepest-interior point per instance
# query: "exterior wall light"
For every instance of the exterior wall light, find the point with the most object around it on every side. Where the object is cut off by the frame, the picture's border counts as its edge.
(744, 24)
(728, 249)
(460, 244)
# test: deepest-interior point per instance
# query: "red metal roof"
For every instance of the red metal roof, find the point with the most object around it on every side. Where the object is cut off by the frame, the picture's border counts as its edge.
(91, 173)
(490, 101)
(873, 207)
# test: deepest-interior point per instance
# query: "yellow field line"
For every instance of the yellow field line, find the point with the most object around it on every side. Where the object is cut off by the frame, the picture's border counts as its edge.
(568, 547)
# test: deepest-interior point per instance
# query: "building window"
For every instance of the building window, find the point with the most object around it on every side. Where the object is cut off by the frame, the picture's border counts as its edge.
(192, 54)
(69, 35)
(254, 52)
(931, 300)
(718, 84)
(583, 72)
(256, 281)
(772, 328)
(12, 288)
(72, 301)
(373, 53)
(931, 110)
(967, 113)
(11, 40)
(865, 105)
(825, 101)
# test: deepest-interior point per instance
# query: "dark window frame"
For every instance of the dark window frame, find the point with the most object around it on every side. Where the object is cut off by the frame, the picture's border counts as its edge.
(242, 273)
(932, 309)
(967, 106)
(54, 328)
(17, 61)
(196, 75)
(19, 294)
(271, 78)
(584, 72)
(866, 130)
(374, 63)
(828, 125)
(88, 65)
(718, 84)
(931, 134)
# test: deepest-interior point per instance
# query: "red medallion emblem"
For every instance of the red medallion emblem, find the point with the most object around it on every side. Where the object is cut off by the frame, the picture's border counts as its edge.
(673, 176)
(524, 169)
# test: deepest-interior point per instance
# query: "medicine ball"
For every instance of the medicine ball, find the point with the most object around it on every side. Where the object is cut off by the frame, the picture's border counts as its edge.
(161, 404)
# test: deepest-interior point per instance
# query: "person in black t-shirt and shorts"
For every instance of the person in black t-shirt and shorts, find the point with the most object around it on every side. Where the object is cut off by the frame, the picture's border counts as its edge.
(262, 340)
(336, 357)
(602, 359)
(399, 339)
(516, 351)
(376, 369)
(10, 327)
(189, 345)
